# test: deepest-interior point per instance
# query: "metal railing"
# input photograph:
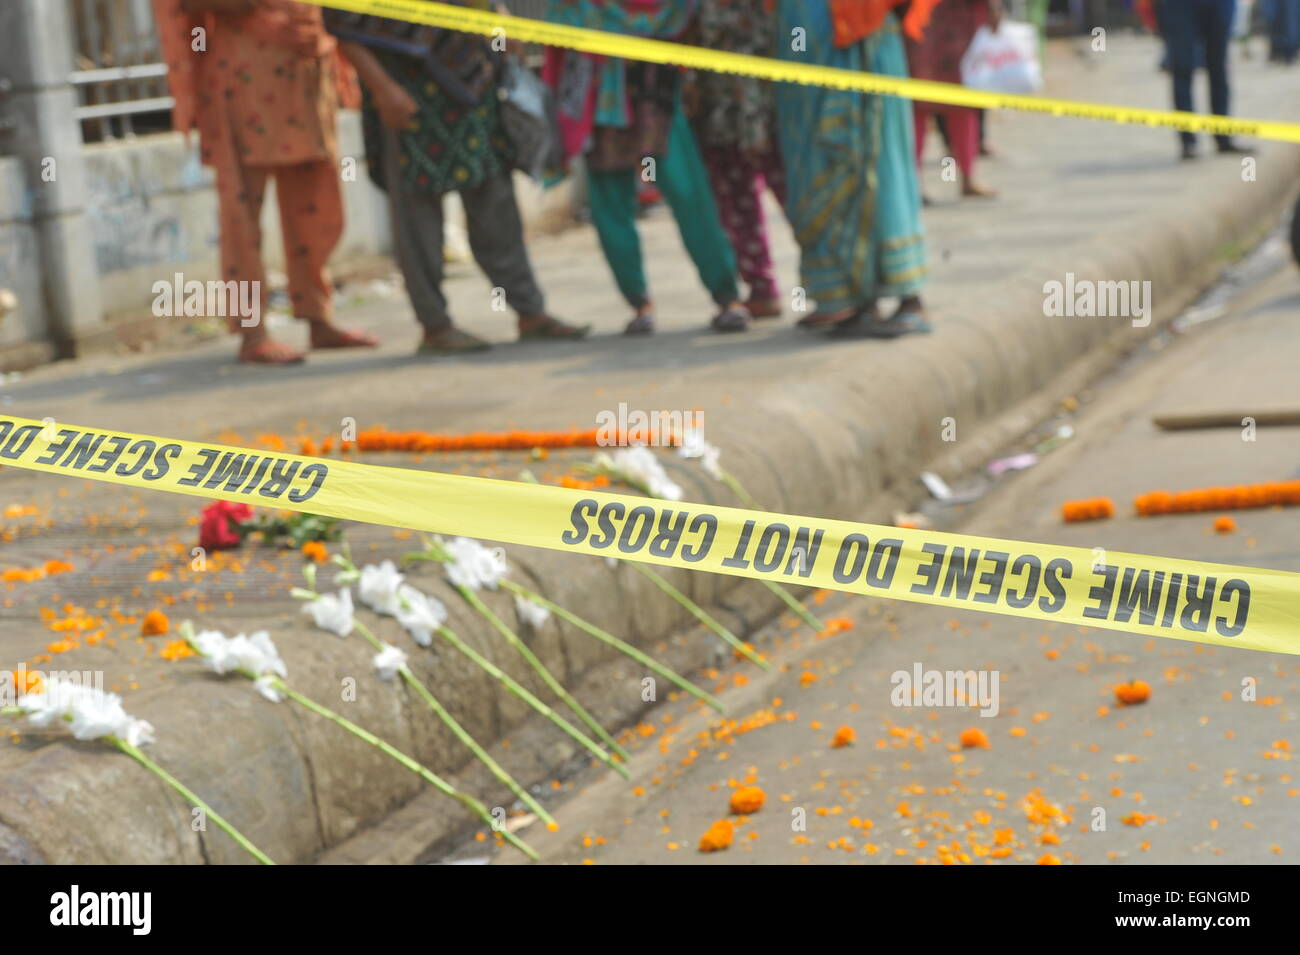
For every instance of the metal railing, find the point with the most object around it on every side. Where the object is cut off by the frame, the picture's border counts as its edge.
(117, 68)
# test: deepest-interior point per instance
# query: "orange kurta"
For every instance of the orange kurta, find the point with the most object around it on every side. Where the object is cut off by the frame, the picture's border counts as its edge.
(262, 89)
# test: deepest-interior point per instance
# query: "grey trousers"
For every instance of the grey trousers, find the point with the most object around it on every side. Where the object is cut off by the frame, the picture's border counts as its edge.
(496, 238)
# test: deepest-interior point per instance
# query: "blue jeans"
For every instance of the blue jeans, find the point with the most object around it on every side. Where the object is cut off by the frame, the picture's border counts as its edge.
(1283, 19)
(1187, 26)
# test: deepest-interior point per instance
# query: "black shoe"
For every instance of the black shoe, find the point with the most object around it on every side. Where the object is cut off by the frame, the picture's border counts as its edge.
(1190, 151)
(1230, 147)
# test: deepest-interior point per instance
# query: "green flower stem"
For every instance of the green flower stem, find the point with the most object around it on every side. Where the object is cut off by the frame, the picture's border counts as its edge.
(428, 775)
(547, 677)
(613, 641)
(461, 733)
(794, 604)
(514, 687)
(135, 753)
(698, 612)
(804, 614)
(738, 489)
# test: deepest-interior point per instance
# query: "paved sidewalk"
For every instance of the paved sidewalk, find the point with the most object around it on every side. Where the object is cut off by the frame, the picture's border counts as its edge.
(1195, 776)
(1069, 189)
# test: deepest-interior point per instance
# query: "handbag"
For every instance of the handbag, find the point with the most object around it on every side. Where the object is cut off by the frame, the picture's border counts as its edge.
(528, 116)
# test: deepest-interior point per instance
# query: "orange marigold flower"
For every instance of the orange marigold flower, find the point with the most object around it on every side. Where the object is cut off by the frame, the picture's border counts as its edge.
(836, 625)
(1049, 859)
(1224, 524)
(176, 650)
(747, 799)
(53, 567)
(1092, 509)
(315, 551)
(1132, 693)
(718, 836)
(972, 737)
(843, 737)
(155, 624)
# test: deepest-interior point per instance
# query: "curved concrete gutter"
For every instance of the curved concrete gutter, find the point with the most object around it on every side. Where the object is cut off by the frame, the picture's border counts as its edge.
(840, 445)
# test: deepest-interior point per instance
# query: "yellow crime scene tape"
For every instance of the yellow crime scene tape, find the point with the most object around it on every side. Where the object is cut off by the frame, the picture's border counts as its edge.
(583, 40)
(1246, 607)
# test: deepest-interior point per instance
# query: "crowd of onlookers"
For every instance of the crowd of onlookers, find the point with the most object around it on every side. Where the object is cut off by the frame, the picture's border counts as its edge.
(264, 88)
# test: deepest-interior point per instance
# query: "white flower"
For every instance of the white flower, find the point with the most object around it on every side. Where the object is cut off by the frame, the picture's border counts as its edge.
(639, 466)
(265, 685)
(389, 661)
(531, 612)
(90, 712)
(420, 614)
(332, 612)
(379, 586)
(255, 655)
(473, 565)
(694, 446)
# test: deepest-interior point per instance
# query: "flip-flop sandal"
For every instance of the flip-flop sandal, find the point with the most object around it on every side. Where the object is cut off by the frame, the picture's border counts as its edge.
(455, 342)
(730, 320)
(271, 353)
(552, 329)
(764, 308)
(904, 323)
(818, 320)
(643, 324)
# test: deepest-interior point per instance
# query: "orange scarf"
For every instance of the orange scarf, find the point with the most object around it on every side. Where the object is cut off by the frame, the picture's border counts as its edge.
(855, 19)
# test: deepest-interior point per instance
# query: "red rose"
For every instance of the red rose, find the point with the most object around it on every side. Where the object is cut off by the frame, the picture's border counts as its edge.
(219, 529)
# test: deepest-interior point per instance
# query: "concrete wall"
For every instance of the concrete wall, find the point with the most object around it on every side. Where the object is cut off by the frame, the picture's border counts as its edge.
(20, 270)
(152, 211)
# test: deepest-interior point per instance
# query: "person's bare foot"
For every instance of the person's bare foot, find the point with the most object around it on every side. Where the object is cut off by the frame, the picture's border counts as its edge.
(266, 351)
(973, 190)
(327, 335)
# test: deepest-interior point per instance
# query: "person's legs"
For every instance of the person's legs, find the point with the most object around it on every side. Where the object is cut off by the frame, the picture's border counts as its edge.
(311, 222)
(240, 190)
(921, 114)
(417, 228)
(496, 237)
(612, 195)
(1178, 23)
(738, 187)
(1215, 23)
(685, 185)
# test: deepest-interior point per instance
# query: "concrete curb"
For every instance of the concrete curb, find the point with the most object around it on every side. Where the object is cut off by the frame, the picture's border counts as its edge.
(839, 445)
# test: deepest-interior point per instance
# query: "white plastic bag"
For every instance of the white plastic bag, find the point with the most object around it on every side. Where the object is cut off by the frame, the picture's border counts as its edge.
(1005, 61)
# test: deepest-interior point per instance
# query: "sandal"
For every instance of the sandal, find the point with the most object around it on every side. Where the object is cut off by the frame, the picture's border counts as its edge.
(324, 335)
(896, 326)
(823, 320)
(270, 352)
(643, 323)
(451, 342)
(552, 329)
(764, 307)
(733, 318)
